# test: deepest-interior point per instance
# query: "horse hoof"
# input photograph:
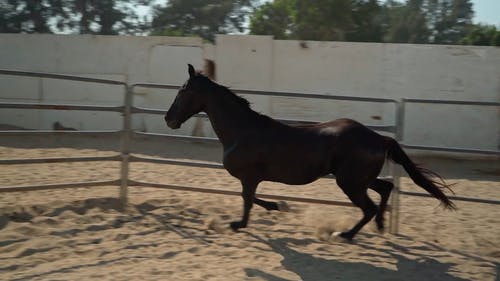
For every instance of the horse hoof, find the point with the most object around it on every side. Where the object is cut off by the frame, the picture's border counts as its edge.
(235, 225)
(380, 225)
(381, 230)
(339, 237)
(283, 206)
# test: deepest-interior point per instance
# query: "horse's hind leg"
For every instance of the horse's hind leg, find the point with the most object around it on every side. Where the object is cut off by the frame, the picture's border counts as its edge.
(383, 188)
(358, 196)
(268, 205)
(272, 206)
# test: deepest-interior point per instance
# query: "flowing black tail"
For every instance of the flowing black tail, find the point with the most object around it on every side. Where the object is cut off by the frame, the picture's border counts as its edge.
(427, 179)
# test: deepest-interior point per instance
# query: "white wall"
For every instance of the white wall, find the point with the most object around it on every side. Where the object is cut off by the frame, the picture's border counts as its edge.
(373, 70)
(259, 62)
(124, 58)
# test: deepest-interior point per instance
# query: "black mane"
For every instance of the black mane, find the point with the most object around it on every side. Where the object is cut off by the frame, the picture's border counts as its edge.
(238, 99)
(227, 92)
(230, 95)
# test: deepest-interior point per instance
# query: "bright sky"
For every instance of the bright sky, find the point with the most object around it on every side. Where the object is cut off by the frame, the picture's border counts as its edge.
(487, 11)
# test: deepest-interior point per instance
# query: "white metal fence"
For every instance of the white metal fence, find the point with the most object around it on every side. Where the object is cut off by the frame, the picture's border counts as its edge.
(127, 134)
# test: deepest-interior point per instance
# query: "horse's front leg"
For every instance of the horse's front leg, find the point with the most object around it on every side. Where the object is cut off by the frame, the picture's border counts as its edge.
(248, 194)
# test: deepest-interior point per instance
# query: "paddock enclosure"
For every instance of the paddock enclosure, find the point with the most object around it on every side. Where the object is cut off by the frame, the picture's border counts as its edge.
(124, 205)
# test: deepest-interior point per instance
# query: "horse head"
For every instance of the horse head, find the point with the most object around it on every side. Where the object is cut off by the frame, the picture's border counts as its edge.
(190, 100)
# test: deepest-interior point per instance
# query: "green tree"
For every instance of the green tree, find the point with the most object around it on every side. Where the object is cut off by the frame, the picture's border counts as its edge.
(405, 23)
(412, 21)
(368, 22)
(448, 20)
(323, 19)
(274, 19)
(203, 18)
(76, 16)
(496, 39)
(354, 20)
(107, 17)
(31, 16)
(484, 35)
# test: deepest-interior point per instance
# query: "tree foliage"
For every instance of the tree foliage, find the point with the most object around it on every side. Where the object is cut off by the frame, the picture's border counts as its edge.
(484, 35)
(396, 21)
(327, 20)
(319, 20)
(30, 16)
(274, 19)
(203, 18)
(405, 23)
(368, 22)
(449, 20)
(414, 21)
(74, 16)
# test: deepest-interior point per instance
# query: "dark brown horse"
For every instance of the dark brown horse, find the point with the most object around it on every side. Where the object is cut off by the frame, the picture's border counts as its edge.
(258, 148)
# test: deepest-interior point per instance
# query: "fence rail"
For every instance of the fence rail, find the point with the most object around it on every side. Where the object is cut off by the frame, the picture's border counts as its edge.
(60, 106)
(127, 134)
(59, 160)
(177, 137)
(58, 132)
(58, 186)
(135, 158)
(451, 149)
(236, 193)
(454, 102)
(61, 77)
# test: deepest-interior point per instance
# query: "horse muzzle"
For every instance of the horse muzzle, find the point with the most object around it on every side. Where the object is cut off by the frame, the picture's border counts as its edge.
(172, 124)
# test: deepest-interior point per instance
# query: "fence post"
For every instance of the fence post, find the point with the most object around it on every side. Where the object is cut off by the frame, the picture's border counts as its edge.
(396, 170)
(125, 144)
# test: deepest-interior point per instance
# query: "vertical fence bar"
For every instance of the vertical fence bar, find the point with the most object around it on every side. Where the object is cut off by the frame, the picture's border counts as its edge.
(396, 171)
(125, 144)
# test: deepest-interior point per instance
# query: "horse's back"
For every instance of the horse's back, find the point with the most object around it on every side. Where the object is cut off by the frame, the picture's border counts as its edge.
(357, 147)
(348, 130)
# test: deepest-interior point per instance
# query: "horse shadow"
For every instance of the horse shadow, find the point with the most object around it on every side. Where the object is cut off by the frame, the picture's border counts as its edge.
(311, 267)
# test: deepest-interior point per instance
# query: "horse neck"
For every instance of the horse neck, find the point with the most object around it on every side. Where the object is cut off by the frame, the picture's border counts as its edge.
(230, 119)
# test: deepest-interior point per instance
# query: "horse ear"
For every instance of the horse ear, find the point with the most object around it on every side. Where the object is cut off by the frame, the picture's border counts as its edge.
(191, 71)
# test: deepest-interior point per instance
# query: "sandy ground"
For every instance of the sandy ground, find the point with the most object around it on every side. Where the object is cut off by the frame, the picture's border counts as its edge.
(82, 234)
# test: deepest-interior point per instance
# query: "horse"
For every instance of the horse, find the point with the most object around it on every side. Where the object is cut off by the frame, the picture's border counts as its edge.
(258, 148)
